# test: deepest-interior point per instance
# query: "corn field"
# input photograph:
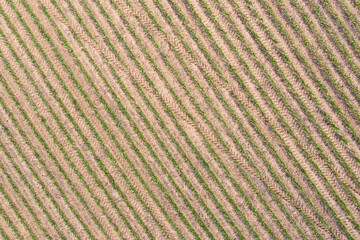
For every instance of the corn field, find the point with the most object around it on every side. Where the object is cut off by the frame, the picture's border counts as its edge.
(180, 119)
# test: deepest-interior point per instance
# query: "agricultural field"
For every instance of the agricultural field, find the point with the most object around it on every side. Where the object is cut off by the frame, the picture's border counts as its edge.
(180, 119)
